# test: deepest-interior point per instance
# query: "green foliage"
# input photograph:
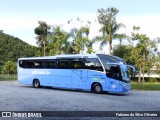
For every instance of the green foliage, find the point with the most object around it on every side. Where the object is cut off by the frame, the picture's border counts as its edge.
(12, 48)
(124, 51)
(8, 77)
(151, 80)
(58, 42)
(90, 48)
(107, 18)
(9, 68)
(143, 54)
(80, 39)
(42, 32)
(157, 63)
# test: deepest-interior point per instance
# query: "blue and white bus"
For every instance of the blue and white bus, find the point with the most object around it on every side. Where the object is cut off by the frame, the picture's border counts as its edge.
(89, 72)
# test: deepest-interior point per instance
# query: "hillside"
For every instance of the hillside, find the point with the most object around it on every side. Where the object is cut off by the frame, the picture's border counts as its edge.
(12, 48)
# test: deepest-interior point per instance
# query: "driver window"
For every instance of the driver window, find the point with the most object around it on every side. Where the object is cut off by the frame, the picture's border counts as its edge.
(114, 73)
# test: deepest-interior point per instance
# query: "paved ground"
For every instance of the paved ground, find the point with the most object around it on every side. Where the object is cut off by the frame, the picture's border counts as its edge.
(15, 97)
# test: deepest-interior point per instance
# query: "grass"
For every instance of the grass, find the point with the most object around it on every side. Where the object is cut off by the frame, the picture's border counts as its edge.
(4, 77)
(145, 86)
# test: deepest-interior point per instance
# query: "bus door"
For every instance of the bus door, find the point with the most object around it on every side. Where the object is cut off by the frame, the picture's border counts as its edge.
(114, 74)
(79, 75)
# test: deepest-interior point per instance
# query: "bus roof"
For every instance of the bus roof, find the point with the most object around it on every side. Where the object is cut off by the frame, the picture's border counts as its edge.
(64, 56)
(118, 59)
(77, 56)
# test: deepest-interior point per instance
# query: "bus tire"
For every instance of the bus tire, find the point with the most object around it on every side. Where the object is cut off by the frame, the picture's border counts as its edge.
(97, 88)
(36, 83)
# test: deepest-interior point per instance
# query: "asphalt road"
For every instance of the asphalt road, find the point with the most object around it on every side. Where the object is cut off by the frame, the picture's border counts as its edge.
(15, 97)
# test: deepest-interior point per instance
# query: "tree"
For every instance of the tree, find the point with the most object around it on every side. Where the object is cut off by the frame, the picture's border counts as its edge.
(1, 31)
(80, 38)
(157, 63)
(107, 18)
(80, 41)
(9, 68)
(58, 42)
(143, 53)
(124, 51)
(89, 47)
(42, 32)
(12, 48)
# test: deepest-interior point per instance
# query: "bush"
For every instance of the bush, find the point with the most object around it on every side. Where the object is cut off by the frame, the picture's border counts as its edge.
(147, 79)
(8, 77)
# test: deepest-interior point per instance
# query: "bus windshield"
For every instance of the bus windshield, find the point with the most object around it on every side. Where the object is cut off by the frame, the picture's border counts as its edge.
(124, 72)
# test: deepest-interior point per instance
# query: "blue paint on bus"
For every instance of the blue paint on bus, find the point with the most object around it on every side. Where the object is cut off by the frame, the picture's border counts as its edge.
(90, 72)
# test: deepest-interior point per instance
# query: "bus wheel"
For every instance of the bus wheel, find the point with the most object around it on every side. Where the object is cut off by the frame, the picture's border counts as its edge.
(36, 83)
(97, 88)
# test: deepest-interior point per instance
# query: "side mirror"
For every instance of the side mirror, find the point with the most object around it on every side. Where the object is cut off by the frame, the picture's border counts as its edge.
(132, 71)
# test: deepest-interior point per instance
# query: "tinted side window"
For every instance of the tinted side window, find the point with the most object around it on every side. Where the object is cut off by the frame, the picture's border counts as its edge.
(63, 64)
(22, 63)
(50, 64)
(114, 72)
(93, 64)
(38, 64)
(26, 63)
(29, 64)
(76, 64)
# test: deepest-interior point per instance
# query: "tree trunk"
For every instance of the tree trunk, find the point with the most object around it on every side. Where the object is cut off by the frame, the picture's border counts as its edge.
(139, 78)
(8, 75)
(44, 49)
(143, 66)
(143, 78)
(110, 47)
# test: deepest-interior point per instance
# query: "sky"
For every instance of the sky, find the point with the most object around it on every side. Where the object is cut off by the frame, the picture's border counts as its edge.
(20, 17)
